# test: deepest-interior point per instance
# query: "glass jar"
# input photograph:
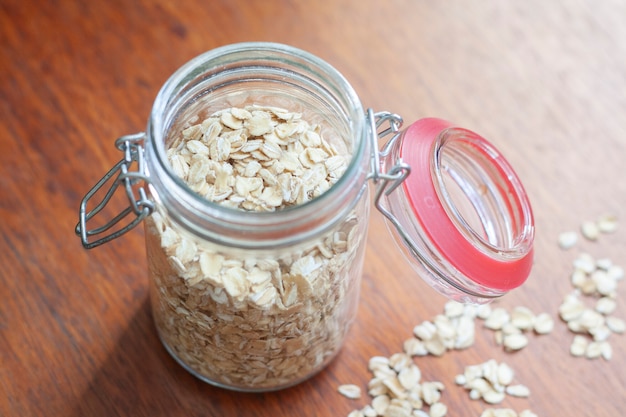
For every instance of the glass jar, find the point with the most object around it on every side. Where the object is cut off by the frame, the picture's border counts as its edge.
(261, 300)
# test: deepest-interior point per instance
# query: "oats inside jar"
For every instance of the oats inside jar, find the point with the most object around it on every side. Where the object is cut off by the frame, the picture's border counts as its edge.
(252, 321)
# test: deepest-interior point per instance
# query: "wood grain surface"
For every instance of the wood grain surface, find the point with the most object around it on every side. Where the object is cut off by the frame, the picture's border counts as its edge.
(543, 80)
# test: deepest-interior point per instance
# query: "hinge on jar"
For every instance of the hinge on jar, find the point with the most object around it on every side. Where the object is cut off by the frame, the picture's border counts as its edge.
(385, 182)
(121, 174)
(388, 181)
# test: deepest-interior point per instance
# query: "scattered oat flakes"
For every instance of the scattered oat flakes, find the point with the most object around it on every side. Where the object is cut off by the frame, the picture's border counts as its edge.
(438, 410)
(510, 327)
(590, 230)
(597, 280)
(544, 323)
(518, 390)
(380, 403)
(490, 381)
(594, 350)
(568, 240)
(350, 391)
(397, 389)
(607, 223)
(607, 350)
(591, 279)
(497, 319)
(615, 324)
(579, 346)
(514, 341)
(455, 329)
(522, 318)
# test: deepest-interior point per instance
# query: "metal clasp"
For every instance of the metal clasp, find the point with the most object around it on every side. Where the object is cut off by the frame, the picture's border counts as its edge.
(121, 174)
(388, 181)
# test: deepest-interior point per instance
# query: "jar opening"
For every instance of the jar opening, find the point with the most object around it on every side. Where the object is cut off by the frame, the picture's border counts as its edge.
(265, 74)
(481, 194)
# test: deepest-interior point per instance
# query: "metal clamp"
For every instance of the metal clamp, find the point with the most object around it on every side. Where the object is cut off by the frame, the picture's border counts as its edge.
(121, 174)
(388, 181)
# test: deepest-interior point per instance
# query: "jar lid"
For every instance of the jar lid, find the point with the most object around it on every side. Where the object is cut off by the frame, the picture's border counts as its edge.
(469, 203)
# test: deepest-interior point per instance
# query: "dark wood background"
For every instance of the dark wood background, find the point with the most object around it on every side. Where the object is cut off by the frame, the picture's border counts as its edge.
(543, 80)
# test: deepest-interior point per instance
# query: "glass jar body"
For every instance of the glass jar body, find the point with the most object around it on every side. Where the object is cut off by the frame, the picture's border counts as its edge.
(256, 301)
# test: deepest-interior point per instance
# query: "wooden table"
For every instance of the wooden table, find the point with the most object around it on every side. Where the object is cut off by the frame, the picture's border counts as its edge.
(544, 81)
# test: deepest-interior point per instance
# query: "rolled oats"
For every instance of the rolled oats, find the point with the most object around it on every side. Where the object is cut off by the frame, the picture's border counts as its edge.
(607, 223)
(415, 347)
(518, 390)
(497, 319)
(513, 342)
(510, 328)
(595, 279)
(491, 382)
(435, 346)
(378, 362)
(397, 388)
(568, 240)
(381, 403)
(438, 410)
(455, 329)
(409, 377)
(544, 324)
(350, 391)
(399, 361)
(594, 350)
(369, 411)
(376, 387)
(606, 350)
(616, 272)
(505, 374)
(590, 230)
(262, 320)
(522, 318)
(431, 392)
(425, 330)
(579, 345)
(493, 397)
(454, 309)
(585, 262)
(615, 324)
(600, 333)
(398, 408)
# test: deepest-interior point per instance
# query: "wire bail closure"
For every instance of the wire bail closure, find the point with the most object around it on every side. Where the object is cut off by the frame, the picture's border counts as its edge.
(386, 182)
(121, 174)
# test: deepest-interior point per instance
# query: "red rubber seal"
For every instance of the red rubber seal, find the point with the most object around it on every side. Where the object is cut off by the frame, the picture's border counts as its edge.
(417, 149)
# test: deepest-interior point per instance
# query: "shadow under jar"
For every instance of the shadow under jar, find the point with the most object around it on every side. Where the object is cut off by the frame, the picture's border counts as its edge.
(258, 158)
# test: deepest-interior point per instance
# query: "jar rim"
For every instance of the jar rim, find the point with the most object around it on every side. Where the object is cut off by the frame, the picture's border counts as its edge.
(261, 227)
